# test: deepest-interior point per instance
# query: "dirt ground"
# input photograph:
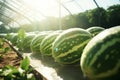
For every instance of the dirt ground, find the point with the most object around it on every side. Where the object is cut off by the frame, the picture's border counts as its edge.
(13, 58)
(10, 58)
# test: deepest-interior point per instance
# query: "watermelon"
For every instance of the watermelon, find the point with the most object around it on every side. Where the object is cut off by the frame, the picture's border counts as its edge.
(95, 30)
(101, 56)
(35, 43)
(46, 44)
(27, 41)
(68, 46)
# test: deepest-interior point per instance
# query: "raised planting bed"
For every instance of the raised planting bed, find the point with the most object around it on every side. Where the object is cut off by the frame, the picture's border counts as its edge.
(11, 62)
(52, 70)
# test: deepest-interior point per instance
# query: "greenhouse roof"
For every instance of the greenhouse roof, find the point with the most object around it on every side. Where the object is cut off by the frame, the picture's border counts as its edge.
(17, 12)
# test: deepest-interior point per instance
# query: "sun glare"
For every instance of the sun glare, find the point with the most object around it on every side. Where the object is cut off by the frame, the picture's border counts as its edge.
(47, 7)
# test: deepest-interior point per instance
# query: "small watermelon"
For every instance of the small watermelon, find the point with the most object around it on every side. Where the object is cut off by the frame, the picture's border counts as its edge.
(46, 44)
(95, 30)
(35, 43)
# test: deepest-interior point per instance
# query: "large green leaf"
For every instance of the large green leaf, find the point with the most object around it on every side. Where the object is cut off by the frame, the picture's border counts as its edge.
(25, 64)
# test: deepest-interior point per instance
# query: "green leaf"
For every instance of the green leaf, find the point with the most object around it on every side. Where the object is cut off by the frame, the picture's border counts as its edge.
(21, 34)
(9, 70)
(1, 71)
(7, 49)
(8, 36)
(1, 43)
(1, 50)
(25, 64)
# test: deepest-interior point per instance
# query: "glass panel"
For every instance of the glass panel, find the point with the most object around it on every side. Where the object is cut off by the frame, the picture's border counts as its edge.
(36, 10)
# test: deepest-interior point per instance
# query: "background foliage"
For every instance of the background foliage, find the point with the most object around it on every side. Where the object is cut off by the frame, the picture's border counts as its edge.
(94, 17)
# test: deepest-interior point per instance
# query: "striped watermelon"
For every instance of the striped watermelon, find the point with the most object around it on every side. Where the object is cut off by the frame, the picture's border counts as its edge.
(35, 43)
(101, 56)
(27, 41)
(68, 46)
(46, 44)
(95, 30)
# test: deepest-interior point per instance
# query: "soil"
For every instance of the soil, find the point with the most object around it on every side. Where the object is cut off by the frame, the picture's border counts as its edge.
(10, 58)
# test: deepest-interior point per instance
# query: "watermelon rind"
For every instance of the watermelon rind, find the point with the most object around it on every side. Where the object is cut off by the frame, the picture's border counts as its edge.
(36, 41)
(100, 57)
(46, 44)
(94, 30)
(68, 46)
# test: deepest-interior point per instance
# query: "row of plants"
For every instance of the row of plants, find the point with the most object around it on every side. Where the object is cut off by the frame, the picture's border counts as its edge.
(95, 49)
(22, 71)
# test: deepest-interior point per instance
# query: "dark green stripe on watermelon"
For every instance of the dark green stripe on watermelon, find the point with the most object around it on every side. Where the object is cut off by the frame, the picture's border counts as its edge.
(35, 43)
(101, 56)
(68, 46)
(46, 44)
(95, 30)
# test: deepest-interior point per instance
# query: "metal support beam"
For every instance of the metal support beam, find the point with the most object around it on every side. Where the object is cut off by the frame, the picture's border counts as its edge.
(61, 4)
(65, 7)
(17, 12)
(99, 20)
(8, 18)
(60, 24)
(96, 3)
(29, 8)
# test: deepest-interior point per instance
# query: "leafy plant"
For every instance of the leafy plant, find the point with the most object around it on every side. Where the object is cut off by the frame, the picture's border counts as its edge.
(3, 49)
(21, 73)
(21, 36)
